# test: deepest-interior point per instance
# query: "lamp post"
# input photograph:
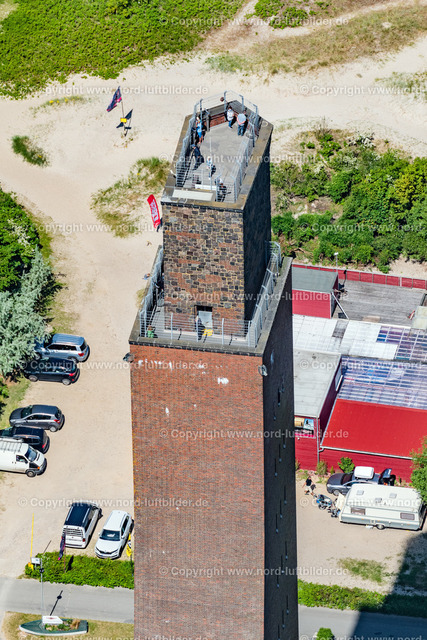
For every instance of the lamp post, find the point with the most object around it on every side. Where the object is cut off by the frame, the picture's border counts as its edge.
(39, 562)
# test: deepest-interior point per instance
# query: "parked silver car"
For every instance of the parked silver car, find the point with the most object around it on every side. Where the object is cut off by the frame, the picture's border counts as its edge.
(62, 345)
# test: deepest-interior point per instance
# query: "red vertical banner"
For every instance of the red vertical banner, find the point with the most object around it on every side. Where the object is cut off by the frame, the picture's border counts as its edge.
(155, 214)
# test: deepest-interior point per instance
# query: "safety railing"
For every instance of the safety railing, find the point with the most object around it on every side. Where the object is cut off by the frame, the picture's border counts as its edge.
(225, 186)
(153, 295)
(154, 322)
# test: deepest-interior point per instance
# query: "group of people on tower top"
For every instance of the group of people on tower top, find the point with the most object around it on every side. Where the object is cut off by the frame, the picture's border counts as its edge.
(241, 119)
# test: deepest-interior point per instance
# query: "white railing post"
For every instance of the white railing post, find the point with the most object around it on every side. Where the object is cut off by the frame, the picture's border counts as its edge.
(171, 326)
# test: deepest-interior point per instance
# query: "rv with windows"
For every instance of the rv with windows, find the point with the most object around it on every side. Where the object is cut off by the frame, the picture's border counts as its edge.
(382, 507)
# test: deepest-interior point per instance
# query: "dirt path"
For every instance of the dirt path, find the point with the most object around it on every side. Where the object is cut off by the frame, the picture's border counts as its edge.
(241, 32)
(91, 457)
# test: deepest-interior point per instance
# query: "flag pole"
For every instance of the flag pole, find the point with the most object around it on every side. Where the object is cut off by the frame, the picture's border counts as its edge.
(123, 116)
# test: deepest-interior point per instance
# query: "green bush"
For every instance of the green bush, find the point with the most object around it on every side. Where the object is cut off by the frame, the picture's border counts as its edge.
(98, 37)
(382, 198)
(324, 634)
(321, 468)
(22, 145)
(346, 464)
(83, 570)
(340, 185)
(335, 597)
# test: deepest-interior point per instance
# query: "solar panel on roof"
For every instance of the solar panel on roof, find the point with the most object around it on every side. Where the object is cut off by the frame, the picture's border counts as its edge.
(380, 382)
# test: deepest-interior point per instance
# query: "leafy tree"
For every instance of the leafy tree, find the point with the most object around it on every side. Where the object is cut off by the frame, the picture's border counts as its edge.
(20, 322)
(18, 240)
(419, 474)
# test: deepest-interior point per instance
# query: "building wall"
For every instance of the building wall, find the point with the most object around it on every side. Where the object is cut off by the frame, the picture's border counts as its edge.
(281, 614)
(197, 436)
(215, 254)
(400, 467)
(311, 303)
(306, 448)
(257, 230)
(203, 261)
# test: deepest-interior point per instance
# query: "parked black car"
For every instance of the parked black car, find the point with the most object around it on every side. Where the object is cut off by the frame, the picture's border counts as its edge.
(35, 437)
(56, 369)
(342, 482)
(44, 416)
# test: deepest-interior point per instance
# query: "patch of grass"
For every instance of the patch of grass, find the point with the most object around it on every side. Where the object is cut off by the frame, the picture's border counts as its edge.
(22, 145)
(286, 13)
(116, 206)
(82, 570)
(6, 7)
(366, 569)
(408, 84)
(367, 35)
(60, 102)
(97, 628)
(335, 597)
(17, 391)
(99, 37)
(226, 63)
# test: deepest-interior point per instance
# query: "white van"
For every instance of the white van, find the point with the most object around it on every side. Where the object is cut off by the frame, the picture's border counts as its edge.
(79, 524)
(21, 458)
(382, 506)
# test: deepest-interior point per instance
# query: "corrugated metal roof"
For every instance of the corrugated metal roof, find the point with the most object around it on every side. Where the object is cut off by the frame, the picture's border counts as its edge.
(375, 428)
(401, 384)
(357, 338)
(313, 374)
(311, 280)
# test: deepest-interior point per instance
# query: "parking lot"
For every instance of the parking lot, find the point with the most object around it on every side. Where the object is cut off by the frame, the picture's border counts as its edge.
(91, 456)
(324, 541)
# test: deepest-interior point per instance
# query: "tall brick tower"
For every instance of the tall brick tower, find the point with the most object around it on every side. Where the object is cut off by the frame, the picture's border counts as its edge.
(212, 399)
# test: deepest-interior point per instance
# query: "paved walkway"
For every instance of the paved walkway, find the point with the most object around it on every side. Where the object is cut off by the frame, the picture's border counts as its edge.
(98, 603)
(94, 603)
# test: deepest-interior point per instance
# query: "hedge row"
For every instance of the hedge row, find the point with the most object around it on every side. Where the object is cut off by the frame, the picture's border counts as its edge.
(84, 570)
(335, 597)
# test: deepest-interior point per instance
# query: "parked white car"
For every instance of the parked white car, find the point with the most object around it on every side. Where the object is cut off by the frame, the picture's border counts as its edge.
(114, 535)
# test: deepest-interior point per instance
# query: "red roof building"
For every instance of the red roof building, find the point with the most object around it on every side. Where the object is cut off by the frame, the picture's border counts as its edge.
(376, 435)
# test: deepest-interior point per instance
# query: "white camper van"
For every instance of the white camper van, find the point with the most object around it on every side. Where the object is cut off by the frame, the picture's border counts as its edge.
(382, 506)
(20, 457)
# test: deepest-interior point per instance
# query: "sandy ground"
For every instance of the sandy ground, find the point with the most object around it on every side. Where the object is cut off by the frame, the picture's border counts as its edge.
(91, 456)
(324, 541)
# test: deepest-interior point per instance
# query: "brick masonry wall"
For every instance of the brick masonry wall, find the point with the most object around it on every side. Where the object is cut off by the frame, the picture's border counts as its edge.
(203, 261)
(199, 570)
(281, 612)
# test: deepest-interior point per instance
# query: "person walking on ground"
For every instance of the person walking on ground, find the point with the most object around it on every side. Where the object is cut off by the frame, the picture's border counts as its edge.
(241, 122)
(230, 116)
(308, 486)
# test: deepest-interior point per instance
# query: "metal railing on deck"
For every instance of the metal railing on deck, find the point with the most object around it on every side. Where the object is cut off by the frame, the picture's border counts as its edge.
(228, 189)
(155, 323)
(153, 294)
